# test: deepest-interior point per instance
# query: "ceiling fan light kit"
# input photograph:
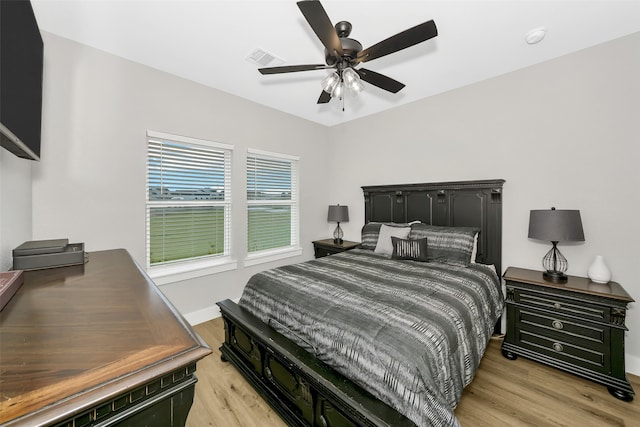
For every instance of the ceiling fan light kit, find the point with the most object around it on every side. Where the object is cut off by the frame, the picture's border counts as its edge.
(334, 84)
(343, 54)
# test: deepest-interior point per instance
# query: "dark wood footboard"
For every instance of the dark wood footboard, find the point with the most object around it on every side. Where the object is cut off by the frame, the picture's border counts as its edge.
(303, 390)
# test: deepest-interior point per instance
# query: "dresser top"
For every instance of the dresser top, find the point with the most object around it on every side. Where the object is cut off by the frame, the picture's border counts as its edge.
(578, 284)
(73, 336)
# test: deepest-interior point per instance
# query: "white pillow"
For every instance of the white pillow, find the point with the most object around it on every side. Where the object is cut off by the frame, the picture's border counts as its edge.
(385, 245)
(474, 251)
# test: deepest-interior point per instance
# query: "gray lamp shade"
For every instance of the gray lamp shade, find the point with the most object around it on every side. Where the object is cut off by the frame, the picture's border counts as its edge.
(556, 225)
(338, 213)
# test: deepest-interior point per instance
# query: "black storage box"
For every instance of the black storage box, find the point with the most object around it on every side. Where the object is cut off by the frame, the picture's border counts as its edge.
(39, 254)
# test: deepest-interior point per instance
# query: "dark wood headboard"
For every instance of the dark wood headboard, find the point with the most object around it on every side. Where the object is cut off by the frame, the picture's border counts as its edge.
(462, 204)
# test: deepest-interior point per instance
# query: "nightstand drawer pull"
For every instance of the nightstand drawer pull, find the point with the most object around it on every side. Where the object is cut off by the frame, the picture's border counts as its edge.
(557, 347)
(557, 305)
(557, 324)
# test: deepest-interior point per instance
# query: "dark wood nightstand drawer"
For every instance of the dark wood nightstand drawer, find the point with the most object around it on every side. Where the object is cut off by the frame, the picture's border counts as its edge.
(577, 355)
(585, 334)
(323, 251)
(560, 305)
(322, 248)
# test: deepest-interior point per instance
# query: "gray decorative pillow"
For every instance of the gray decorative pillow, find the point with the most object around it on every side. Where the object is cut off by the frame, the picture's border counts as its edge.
(387, 232)
(453, 245)
(414, 250)
(371, 232)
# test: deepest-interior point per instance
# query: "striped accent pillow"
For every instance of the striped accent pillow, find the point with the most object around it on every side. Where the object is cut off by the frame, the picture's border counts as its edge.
(414, 250)
(452, 245)
(369, 235)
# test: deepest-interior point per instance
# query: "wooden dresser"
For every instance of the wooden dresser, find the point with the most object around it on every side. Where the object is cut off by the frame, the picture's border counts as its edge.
(576, 326)
(95, 344)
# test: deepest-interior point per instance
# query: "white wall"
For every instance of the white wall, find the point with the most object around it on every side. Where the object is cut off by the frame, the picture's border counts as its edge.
(90, 184)
(565, 133)
(15, 205)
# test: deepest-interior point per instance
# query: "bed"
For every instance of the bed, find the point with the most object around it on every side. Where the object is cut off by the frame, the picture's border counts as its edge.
(378, 335)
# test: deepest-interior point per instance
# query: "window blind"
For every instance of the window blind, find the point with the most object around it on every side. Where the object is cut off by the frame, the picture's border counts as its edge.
(188, 199)
(272, 199)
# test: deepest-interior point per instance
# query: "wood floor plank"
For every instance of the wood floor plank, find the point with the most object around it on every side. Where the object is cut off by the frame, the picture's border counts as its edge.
(223, 397)
(504, 393)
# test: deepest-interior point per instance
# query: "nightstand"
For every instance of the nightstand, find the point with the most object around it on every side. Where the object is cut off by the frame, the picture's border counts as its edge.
(576, 326)
(327, 247)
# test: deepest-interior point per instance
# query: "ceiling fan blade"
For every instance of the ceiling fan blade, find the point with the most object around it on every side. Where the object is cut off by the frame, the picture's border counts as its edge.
(292, 68)
(324, 98)
(319, 21)
(403, 40)
(380, 80)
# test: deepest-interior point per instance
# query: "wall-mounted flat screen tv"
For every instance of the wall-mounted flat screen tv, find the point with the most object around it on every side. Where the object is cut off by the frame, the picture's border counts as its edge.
(21, 53)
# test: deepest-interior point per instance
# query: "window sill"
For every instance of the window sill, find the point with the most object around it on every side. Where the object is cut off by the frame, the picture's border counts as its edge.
(163, 275)
(272, 255)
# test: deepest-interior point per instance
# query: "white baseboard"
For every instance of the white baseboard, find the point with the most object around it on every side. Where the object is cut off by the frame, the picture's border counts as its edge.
(632, 364)
(205, 314)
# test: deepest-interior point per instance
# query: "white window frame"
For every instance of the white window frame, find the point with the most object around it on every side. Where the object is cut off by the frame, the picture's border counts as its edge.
(194, 267)
(269, 255)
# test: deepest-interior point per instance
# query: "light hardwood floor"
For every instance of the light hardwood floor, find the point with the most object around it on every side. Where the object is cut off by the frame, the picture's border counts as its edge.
(504, 393)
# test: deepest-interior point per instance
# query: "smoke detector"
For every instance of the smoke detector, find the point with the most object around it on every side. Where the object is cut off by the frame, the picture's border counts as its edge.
(536, 35)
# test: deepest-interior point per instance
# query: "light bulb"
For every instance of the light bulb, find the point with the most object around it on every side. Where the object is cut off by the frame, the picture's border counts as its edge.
(352, 80)
(329, 83)
(337, 91)
(357, 87)
(350, 76)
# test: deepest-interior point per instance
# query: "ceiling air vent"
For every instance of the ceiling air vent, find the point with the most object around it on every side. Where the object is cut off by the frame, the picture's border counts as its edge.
(264, 59)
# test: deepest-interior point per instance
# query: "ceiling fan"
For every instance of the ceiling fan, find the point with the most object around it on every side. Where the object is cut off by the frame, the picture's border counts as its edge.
(343, 53)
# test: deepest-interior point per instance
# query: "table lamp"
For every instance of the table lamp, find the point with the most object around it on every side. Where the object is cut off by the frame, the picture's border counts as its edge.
(555, 225)
(338, 214)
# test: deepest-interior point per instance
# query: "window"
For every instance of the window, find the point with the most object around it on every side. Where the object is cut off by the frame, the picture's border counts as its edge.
(272, 202)
(188, 203)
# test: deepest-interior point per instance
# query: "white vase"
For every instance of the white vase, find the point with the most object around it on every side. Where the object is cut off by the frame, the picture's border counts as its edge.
(598, 271)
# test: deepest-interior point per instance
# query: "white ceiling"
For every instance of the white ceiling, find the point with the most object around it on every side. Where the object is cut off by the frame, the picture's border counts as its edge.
(207, 41)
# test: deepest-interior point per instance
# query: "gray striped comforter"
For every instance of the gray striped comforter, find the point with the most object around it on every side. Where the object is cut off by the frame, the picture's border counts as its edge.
(411, 333)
